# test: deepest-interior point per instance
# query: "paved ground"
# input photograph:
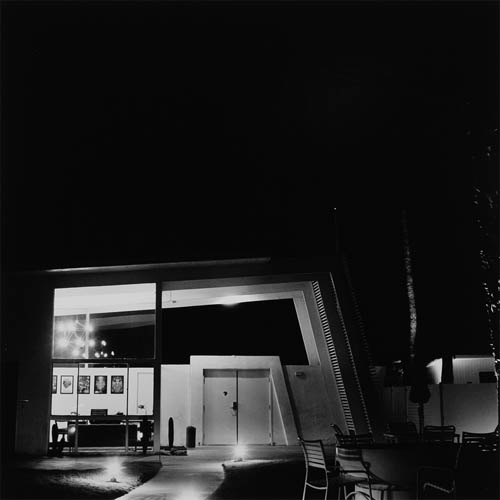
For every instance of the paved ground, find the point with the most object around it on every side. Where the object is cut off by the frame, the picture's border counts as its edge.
(191, 477)
(197, 475)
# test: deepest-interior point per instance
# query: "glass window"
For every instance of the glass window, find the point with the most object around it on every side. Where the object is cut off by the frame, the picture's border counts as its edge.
(104, 323)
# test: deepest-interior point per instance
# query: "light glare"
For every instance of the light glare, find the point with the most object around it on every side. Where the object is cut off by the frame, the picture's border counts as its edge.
(239, 452)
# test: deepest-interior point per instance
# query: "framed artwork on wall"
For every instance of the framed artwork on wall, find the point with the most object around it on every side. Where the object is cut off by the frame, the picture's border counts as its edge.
(100, 384)
(54, 384)
(116, 384)
(67, 384)
(84, 384)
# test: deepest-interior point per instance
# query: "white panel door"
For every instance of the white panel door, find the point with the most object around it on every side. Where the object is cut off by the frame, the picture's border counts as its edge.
(220, 402)
(145, 393)
(254, 415)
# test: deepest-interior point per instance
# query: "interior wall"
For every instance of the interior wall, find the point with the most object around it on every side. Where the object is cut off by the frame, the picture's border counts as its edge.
(174, 402)
(65, 404)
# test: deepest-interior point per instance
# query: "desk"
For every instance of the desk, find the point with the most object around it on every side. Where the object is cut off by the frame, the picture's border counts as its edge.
(95, 435)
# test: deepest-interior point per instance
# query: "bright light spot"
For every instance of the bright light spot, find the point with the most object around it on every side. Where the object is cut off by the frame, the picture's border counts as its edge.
(190, 494)
(103, 342)
(63, 342)
(239, 452)
(96, 354)
(113, 469)
(92, 343)
(112, 353)
(71, 430)
(229, 301)
(75, 352)
(105, 354)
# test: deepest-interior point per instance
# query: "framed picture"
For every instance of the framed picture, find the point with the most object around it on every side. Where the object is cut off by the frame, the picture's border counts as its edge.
(67, 384)
(84, 384)
(116, 384)
(100, 384)
(54, 384)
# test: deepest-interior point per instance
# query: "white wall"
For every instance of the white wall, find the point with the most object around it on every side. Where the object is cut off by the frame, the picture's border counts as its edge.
(281, 415)
(174, 402)
(308, 394)
(469, 407)
(65, 404)
(466, 368)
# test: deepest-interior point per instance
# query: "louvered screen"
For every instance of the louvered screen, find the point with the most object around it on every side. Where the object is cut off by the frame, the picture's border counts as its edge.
(333, 356)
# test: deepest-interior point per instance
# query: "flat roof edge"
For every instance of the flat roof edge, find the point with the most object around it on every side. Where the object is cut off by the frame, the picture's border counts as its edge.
(162, 265)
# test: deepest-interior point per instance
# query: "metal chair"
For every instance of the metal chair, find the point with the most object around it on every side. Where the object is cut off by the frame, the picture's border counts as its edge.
(337, 430)
(355, 439)
(352, 439)
(318, 475)
(487, 441)
(440, 434)
(353, 466)
(475, 463)
(401, 432)
(440, 479)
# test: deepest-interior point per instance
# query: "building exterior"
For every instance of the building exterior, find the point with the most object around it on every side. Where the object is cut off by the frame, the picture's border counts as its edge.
(65, 374)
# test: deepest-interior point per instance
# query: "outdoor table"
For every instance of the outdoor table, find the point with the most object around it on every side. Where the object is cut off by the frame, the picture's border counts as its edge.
(398, 464)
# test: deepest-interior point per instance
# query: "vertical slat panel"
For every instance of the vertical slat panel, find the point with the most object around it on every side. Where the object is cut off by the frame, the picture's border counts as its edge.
(325, 325)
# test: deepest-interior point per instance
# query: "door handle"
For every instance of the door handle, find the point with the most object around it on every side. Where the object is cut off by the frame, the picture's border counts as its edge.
(235, 406)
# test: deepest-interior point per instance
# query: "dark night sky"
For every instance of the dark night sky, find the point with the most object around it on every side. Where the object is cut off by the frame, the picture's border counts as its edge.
(157, 131)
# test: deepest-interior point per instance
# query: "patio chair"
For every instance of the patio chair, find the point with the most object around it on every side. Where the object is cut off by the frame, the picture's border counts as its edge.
(318, 475)
(473, 472)
(352, 439)
(438, 479)
(353, 466)
(401, 432)
(440, 434)
(487, 441)
(337, 430)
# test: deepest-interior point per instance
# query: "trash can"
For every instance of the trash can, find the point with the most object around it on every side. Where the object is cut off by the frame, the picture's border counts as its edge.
(190, 437)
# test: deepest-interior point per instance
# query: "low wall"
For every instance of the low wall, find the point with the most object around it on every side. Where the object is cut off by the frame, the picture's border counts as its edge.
(469, 407)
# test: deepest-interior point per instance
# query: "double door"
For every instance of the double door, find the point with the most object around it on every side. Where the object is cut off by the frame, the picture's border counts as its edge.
(237, 407)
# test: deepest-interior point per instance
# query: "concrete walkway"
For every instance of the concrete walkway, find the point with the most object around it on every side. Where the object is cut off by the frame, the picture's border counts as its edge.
(197, 475)
(190, 477)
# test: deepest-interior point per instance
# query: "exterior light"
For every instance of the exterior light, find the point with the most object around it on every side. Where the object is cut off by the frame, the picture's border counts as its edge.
(229, 301)
(63, 342)
(103, 342)
(190, 494)
(105, 354)
(113, 469)
(239, 453)
(96, 354)
(112, 353)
